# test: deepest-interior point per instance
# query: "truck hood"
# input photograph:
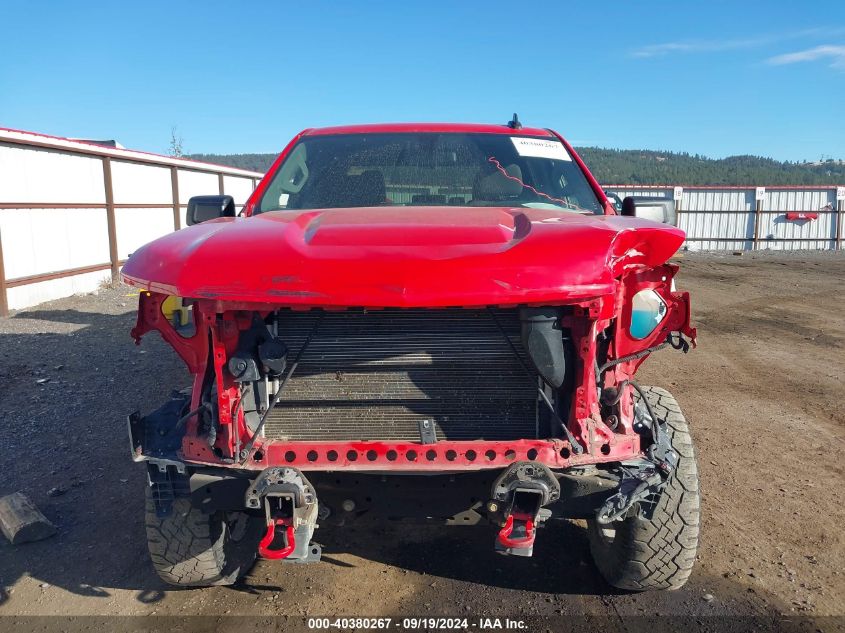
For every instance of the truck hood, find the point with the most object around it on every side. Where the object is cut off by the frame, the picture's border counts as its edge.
(402, 257)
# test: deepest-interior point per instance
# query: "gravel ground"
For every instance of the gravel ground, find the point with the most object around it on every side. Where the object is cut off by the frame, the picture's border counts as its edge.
(763, 393)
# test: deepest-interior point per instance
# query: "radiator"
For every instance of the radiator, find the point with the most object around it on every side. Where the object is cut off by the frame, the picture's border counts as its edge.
(374, 375)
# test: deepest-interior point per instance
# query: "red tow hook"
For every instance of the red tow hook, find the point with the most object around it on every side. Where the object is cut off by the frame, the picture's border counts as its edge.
(264, 545)
(521, 542)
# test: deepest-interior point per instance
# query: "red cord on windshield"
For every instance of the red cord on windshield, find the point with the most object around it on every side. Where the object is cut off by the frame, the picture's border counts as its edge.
(498, 165)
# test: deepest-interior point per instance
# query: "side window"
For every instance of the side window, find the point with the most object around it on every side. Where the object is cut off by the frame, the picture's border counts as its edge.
(291, 179)
(572, 186)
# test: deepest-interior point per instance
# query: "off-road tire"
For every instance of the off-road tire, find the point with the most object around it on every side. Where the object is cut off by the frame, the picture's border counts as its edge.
(655, 551)
(191, 549)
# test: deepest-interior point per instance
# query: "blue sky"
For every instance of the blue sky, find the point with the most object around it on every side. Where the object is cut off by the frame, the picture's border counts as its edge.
(716, 78)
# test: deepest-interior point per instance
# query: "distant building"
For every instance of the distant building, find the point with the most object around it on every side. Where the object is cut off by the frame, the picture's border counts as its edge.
(113, 144)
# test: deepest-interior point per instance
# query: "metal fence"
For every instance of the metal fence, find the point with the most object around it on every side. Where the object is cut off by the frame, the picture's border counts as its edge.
(71, 212)
(751, 218)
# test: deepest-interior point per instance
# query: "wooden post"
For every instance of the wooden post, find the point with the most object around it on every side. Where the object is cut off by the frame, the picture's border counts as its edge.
(21, 522)
(220, 183)
(840, 208)
(174, 187)
(678, 196)
(4, 301)
(110, 219)
(759, 193)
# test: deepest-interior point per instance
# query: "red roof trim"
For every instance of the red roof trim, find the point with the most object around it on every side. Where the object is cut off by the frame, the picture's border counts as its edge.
(385, 128)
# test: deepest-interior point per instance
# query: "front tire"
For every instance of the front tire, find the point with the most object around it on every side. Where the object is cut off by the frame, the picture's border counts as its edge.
(191, 549)
(657, 550)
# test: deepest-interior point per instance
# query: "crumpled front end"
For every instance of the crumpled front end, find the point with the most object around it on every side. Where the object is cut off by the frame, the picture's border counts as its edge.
(507, 357)
(421, 389)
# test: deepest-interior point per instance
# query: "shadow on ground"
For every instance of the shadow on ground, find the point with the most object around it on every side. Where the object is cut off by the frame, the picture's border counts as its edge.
(561, 561)
(68, 378)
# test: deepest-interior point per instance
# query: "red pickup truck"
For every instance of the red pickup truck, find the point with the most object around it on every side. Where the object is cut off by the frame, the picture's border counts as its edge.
(420, 321)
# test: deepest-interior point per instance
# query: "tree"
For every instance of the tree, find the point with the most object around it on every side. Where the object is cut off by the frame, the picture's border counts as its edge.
(176, 144)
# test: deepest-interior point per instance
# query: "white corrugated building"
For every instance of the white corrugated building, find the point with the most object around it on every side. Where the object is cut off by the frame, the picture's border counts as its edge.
(72, 211)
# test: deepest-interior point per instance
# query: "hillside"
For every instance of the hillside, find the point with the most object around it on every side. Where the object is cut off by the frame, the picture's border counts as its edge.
(613, 166)
(651, 167)
(252, 162)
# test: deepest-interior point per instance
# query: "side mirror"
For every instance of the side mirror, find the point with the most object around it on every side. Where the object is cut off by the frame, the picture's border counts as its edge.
(615, 200)
(202, 208)
(648, 208)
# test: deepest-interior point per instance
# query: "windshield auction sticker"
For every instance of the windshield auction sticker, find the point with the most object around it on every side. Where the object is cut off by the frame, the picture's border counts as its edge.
(539, 148)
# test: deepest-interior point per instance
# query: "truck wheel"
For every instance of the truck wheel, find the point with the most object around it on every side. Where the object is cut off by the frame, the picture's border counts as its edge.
(657, 550)
(192, 549)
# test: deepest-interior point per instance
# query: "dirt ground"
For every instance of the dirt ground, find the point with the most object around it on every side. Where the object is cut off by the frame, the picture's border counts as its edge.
(763, 392)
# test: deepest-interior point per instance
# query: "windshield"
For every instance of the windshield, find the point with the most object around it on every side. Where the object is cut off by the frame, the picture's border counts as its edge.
(430, 169)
